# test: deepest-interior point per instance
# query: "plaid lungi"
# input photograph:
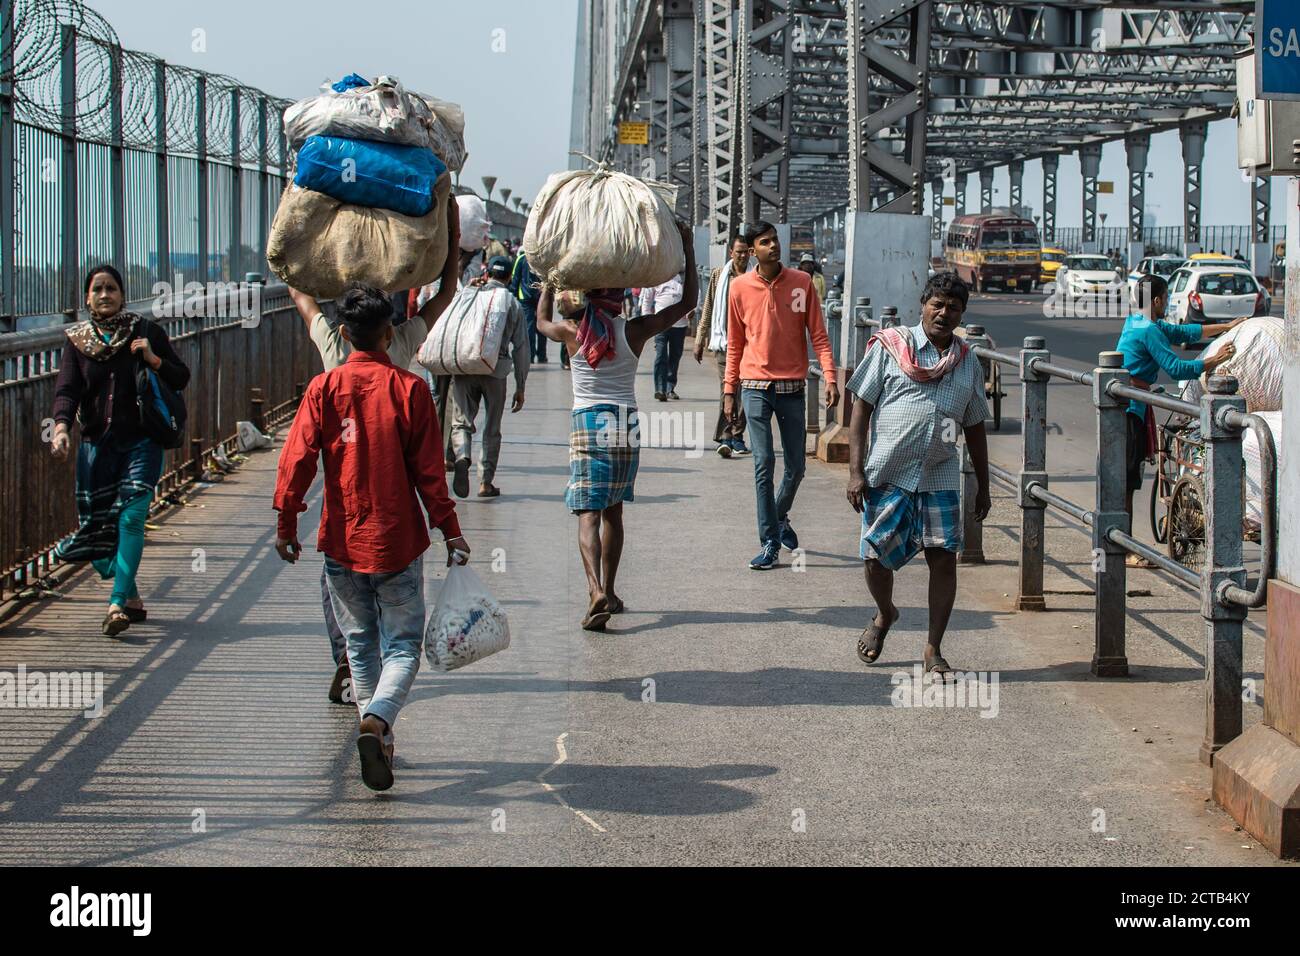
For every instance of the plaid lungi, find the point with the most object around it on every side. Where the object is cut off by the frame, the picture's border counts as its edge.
(604, 451)
(897, 524)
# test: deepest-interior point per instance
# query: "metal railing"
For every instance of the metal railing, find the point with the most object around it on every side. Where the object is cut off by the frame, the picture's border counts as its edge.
(250, 367)
(121, 158)
(1225, 594)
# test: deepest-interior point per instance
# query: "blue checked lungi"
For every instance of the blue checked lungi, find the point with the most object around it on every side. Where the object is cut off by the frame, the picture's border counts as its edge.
(604, 452)
(897, 524)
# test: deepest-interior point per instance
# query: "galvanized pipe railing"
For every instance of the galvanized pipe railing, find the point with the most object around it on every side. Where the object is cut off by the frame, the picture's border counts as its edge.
(1224, 598)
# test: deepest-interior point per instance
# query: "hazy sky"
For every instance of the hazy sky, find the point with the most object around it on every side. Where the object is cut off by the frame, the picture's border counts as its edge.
(517, 99)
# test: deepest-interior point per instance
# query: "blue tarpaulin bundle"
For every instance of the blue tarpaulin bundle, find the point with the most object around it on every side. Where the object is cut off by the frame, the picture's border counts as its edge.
(366, 173)
(350, 82)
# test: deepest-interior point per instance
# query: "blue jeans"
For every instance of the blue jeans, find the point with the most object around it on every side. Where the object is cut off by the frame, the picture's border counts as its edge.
(338, 643)
(668, 356)
(536, 341)
(382, 618)
(760, 404)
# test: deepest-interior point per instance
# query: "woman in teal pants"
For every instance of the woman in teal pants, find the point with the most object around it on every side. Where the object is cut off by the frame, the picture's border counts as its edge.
(117, 464)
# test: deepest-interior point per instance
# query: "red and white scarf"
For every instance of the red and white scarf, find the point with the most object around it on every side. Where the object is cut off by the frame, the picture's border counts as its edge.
(898, 343)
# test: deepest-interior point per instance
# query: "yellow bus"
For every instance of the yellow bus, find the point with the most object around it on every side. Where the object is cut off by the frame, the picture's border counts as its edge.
(994, 249)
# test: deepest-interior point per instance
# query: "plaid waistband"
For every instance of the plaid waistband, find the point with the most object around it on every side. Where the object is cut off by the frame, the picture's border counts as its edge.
(782, 386)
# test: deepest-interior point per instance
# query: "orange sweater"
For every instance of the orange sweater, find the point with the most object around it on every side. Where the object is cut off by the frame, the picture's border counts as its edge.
(766, 325)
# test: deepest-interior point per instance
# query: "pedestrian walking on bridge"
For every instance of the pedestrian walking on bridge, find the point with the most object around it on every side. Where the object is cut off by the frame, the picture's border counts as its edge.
(334, 347)
(375, 428)
(772, 312)
(604, 443)
(468, 391)
(711, 334)
(919, 389)
(1147, 342)
(118, 463)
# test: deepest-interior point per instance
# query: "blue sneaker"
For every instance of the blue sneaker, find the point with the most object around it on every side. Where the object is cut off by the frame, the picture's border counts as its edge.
(767, 558)
(789, 540)
(738, 447)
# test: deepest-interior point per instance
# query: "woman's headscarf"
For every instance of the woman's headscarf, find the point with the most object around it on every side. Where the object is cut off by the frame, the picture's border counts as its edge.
(100, 337)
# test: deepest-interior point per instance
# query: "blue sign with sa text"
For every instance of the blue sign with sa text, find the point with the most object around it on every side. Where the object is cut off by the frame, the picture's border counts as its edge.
(1277, 49)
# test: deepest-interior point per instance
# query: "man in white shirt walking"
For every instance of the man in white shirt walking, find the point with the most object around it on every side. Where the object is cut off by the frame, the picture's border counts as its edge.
(669, 343)
(712, 335)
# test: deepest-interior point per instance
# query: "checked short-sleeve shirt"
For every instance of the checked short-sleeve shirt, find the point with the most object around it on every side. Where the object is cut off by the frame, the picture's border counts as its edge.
(915, 425)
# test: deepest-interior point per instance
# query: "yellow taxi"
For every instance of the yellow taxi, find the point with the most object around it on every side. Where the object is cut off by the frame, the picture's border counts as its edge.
(1052, 259)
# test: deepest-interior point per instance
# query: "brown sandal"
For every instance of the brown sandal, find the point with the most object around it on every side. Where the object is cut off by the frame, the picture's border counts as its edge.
(597, 616)
(115, 622)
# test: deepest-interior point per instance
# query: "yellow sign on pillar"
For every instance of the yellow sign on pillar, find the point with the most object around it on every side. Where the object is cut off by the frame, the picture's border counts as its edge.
(1105, 186)
(634, 134)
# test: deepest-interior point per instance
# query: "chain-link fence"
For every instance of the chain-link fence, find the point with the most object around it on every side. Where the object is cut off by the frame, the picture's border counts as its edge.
(164, 171)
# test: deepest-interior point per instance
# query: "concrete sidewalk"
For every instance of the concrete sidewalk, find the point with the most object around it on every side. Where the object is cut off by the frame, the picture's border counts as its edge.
(724, 718)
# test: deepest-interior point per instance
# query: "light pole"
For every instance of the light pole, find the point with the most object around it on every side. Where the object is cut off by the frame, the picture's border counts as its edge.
(488, 183)
(505, 195)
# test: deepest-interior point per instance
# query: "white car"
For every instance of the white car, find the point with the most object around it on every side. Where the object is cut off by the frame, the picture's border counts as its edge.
(1200, 294)
(1087, 275)
(1163, 266)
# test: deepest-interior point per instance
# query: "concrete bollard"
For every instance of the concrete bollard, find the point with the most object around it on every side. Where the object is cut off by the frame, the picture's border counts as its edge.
(1033, 469)
(1223, 565)
(1110, 576)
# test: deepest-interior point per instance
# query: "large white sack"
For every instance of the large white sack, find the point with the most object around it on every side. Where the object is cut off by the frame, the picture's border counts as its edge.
(1257, 365)
(319, 244)
(600, 229)
(384, 112)
(466, 339)
(1253, 469)
(475, 225)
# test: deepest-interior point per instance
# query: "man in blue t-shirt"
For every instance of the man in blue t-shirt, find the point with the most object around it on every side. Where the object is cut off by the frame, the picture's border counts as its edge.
(1147, 342)
(524, 286)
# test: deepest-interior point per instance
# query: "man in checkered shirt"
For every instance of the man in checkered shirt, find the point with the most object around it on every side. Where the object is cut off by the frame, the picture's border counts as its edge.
(919, 389)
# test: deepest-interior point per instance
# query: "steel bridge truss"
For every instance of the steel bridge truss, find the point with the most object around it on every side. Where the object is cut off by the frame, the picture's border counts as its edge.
(791, 109)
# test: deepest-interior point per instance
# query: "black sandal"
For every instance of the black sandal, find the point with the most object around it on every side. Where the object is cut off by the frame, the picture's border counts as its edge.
(115, 622)
(872, 641)
(138, 615)
(937, 665)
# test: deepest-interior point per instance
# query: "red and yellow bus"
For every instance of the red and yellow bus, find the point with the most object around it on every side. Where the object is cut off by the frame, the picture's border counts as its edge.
(994, 249)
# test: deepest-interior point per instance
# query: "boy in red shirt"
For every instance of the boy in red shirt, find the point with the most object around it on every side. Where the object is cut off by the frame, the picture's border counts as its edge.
(376, 429)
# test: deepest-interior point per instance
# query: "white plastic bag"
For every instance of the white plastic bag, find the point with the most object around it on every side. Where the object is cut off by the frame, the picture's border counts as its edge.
(250, 438)
(474, 223)
(385, 112)
(1257, 366)
(466, 340)
(467, 623)
(601, 229)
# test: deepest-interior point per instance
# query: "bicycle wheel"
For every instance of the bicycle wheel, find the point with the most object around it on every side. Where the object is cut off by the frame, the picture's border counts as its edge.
(1186, 523)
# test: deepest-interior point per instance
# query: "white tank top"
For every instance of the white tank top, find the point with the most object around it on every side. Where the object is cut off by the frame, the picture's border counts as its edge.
(614, 381)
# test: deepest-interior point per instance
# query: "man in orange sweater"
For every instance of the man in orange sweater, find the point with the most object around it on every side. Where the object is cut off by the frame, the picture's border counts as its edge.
(771, 313)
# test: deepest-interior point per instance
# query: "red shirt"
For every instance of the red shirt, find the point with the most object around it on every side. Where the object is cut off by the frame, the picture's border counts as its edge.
(377, 429)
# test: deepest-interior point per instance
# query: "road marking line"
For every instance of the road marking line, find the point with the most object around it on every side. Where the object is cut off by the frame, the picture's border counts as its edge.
(563, 756)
